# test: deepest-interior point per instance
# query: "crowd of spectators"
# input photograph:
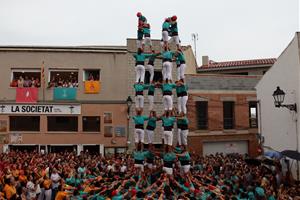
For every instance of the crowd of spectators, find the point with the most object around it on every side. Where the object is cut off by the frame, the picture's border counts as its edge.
(25, 82)
(65, 175)
(65, 83)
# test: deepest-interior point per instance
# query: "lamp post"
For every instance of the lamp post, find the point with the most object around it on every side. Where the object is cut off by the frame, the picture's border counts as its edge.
(278, 96)
(129, 104)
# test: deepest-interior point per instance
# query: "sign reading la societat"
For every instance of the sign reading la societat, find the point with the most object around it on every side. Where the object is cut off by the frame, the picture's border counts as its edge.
(40, 109)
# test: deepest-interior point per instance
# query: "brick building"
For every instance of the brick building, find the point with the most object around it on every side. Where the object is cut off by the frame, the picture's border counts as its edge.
(222, 110)
(84, 116)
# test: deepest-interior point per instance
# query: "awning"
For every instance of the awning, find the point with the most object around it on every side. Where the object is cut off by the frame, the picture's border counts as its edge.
(291, 154)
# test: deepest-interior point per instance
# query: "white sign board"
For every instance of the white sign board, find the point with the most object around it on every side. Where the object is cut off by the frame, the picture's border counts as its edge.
(39, 109)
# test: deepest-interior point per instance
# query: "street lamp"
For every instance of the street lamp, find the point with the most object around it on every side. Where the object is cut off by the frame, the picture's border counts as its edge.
(129, 104)
(278, 96)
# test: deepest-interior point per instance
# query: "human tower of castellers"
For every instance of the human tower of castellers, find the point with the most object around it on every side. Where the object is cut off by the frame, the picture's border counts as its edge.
(170, 115)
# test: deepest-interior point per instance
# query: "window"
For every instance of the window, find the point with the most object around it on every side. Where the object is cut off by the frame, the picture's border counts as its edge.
(253, 114)
(25, 78)
(108, 131)
(63, 78)
(228, 114)
(156, 78)
(91, 75)
(109, 151)
(202, 115)
(91, 124)
(62, 123)
(107, 118)
(24, 123)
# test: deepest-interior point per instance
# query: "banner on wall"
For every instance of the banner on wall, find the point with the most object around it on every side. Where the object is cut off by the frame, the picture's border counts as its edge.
(64, 93)
(27, 95)
(92, 87)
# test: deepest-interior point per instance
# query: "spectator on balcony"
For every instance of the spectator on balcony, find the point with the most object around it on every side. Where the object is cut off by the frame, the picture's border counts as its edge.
(37, 83)
(91, 77)
(27, 82)
(14, 83)
(20, 81)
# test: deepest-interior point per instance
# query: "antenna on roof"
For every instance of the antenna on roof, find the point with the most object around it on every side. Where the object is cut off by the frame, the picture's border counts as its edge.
(195, 38)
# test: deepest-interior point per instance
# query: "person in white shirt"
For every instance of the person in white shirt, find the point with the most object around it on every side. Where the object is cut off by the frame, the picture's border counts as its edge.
(31, 189)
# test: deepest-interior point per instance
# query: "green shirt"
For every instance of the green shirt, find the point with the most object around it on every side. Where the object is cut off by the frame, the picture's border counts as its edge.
(143, 18)
(139, 87)
(153, 57)
(168, 87)
(166, 25)
(152, 122)
(183, 121)
(140, 119)
(174, 28)
(167, 55)
(141, 57)
(181, 88)
(139, 155)
(146, 30)
(151, 88)
(149, 155)
(180, 58)
(186, 157)
(168, 121)
(169, 157)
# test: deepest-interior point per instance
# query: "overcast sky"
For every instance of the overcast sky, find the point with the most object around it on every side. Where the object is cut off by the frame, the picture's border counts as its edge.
(227, 29)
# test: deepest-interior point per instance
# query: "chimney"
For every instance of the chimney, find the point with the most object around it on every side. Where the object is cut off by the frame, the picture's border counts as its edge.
(205, 60)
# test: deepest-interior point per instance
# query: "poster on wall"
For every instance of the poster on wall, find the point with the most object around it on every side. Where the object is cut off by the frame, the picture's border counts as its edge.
(120, 131)
(107, 117)
(3, 125)
(108, 131)
(16, 138)
(3, 139)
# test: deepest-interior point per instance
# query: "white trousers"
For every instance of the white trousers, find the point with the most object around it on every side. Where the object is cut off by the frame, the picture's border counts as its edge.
(147, 41)
(168, 102)
(150, 135)
(168, 170)
(165, 36)
(167, 70)
(175, 39)
(151, 102)
(139, 101)
(168, 138)
(185, 169)
(182, 136)
(138, 44)
(139, 135)
(180, 71)
(181, 104)
(139, 166)
(139, 73)
(150, 68)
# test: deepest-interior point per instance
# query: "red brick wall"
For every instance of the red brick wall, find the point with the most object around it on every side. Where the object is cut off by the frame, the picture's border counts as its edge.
(215, 121)
(215, 110)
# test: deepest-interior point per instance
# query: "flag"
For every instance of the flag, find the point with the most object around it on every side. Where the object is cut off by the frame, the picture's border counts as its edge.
(64, 93)
(43, 74)
(27, 95)
(92, 87)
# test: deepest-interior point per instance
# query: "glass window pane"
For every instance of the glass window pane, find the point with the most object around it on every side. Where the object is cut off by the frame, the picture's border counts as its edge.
(91, 124)
(63, 123)
(24, 123)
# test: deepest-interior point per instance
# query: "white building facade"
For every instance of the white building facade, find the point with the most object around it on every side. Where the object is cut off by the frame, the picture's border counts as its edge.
(279, 126)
